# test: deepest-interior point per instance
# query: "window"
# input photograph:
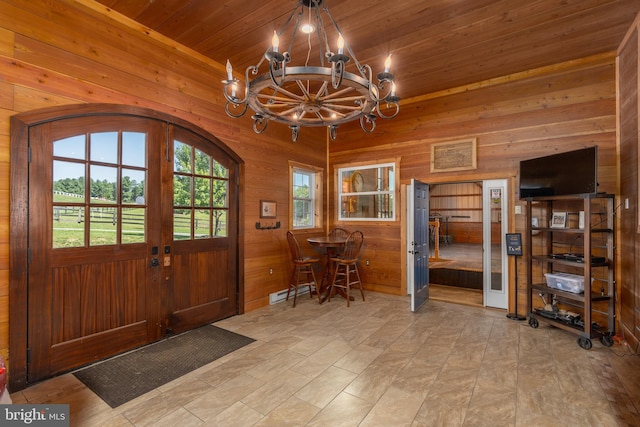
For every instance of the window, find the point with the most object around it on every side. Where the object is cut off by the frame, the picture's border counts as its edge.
(367, 192)
(306, 196)
(99, 188)
(200, 194)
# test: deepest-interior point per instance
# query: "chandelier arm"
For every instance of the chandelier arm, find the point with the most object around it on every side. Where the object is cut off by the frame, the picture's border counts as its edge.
(259, 123)
(233, 115)
(346, 45)
(389, 104)
(286, 24)
(381, 86)
(230, 92)
(322, 35)
(337, 72)
(333, 132)
(274, 66)
(369, 118)
(229, 84)
(321, 50)
(295, 130)
(372, 94)
(296, 26)
(282, 29)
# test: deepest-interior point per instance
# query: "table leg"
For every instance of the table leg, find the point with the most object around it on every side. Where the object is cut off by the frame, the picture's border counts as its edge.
(327, 274)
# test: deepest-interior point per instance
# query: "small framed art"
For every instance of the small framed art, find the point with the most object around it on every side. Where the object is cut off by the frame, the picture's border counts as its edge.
(559, 220)
(267, 209)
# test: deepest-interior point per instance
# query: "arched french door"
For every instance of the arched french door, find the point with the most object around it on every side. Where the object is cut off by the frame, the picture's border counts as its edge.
(129, 233)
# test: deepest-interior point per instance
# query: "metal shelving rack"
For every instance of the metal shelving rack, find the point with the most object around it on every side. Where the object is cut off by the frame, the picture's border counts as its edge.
(546, 247)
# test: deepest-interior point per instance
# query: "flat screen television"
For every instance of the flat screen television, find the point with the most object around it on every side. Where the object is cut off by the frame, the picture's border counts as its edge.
(573, 172)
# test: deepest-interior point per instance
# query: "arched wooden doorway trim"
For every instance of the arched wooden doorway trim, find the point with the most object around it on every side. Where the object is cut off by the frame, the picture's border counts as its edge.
(107, 292)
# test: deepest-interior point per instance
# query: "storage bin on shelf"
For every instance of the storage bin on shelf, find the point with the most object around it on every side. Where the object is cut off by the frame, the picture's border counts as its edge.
(566, 282)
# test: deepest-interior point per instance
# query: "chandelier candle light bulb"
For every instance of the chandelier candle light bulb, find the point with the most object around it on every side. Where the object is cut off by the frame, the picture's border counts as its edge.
(340, 45)
(229, 71)
(275, 41)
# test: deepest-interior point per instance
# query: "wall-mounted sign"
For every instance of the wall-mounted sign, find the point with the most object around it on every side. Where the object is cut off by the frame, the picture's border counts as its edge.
(514, 244)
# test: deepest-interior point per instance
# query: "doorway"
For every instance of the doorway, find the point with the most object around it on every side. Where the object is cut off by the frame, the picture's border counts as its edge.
(130, 234)
(467, 225)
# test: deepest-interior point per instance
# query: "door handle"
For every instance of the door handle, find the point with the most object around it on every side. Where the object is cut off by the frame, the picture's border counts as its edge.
(154, 262)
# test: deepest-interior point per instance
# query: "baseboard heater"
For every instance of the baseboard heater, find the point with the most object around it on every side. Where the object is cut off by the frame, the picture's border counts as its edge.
(280, 296)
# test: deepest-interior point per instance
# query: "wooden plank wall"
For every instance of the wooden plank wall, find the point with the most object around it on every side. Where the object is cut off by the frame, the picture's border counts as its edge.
(629, 219)
(540, 112)
(55, 53)
(66, 52)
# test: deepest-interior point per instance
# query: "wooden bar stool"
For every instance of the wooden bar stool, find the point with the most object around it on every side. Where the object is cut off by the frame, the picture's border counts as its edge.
(346, 273)
(302, 274)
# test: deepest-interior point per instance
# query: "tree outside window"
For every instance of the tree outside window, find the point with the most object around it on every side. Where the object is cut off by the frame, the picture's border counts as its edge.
(306, 196)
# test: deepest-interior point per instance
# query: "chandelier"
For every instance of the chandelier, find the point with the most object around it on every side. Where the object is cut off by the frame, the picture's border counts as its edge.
(324, 93)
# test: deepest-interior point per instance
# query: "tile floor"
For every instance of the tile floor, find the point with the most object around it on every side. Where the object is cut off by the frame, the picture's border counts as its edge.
(378, 364)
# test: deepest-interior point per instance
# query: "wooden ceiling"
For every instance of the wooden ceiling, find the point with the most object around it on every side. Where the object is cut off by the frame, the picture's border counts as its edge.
(436, 44)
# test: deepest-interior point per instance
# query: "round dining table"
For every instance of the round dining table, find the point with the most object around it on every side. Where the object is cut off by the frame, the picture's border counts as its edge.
(331, 246)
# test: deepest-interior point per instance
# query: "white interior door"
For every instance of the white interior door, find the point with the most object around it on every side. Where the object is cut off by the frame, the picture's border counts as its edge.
(494, 229)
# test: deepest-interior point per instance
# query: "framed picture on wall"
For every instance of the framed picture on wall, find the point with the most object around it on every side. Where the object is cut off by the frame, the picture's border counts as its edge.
(267, 209)
(559, 220)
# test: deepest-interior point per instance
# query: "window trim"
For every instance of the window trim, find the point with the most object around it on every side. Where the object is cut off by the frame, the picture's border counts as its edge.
(317, 196)
(393, 191)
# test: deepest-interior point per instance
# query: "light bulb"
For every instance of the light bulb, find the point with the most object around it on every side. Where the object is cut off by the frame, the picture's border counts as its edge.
(340, 45)
(275, 41)
(229, 71)
(307, 28)
(387, 64)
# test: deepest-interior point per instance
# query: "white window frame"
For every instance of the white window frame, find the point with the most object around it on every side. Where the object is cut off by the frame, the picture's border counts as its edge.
(315, 195)
(346, 190)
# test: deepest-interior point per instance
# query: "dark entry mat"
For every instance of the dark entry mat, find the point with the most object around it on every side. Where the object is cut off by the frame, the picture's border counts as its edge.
(125, 377)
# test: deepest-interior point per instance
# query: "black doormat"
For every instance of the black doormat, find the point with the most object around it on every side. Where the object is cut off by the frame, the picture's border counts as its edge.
(125, 377)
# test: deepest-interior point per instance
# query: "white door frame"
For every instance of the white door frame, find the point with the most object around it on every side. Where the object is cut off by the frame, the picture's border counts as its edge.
(495, 195)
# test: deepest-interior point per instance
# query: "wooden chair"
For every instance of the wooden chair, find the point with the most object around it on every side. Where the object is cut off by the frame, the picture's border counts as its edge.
(339, 232)
(346, 273)
(302, 273)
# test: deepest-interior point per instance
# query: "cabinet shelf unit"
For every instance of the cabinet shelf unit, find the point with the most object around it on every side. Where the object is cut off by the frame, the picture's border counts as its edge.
(581, 245)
